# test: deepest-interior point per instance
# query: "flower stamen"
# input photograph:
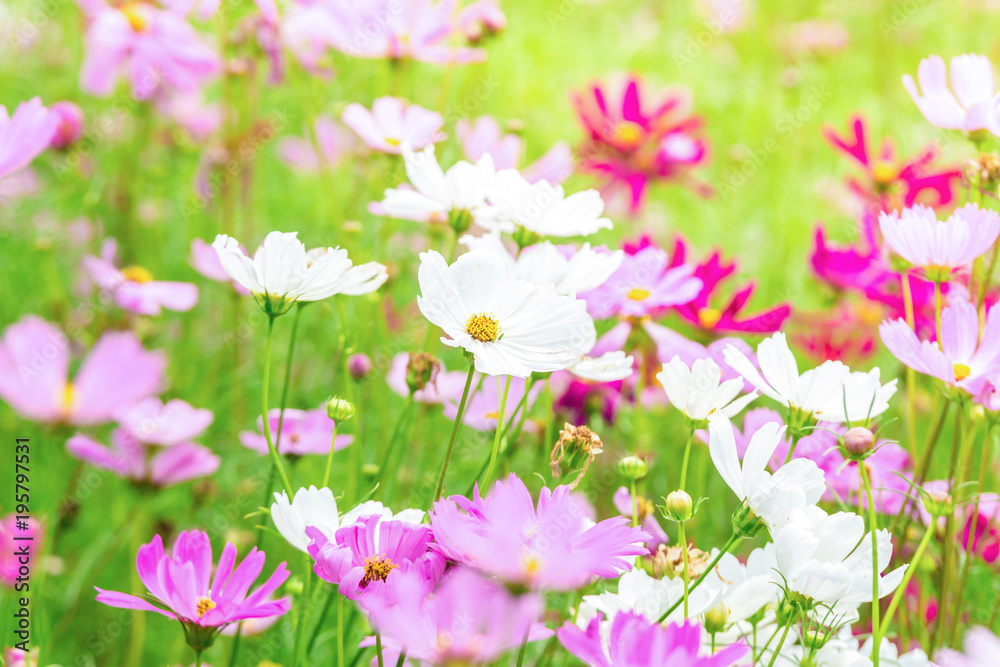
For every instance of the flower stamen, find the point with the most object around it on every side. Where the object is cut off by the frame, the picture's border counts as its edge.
(377, 568)
(484, 328)
(204, 605)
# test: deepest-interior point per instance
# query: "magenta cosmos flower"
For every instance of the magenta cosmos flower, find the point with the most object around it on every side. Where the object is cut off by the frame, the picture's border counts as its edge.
(635, 641)
(963, 359)
(133, 287)
(644, 285)
(393, 122)
(25, 135)
(185, 589)
(938, 247)
(150, 46)
(302, 432)
(967, 105)
(368, 557)
(34, 374)
(551, 547)
(467, 620)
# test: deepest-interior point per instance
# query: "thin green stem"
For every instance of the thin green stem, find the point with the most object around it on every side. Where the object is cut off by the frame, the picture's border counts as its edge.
(901, 589)
(781, 642)
(329, 457)
(439, 489)
(733, 539)
(340, 631)
(298, 650)
(635, 503)
(322, 617)
(197, 659)
(873, 528)
(275, 457)
(937, 313)
(687, 457)
(963, 579)
(520, 652)
(378, 649)
(496, 438)
(401, 428)
(686, 573)
(401, 659)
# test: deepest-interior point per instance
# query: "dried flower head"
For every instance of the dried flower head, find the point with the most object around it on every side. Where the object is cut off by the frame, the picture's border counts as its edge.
(576, 448)
(668, 561)
(421, 370)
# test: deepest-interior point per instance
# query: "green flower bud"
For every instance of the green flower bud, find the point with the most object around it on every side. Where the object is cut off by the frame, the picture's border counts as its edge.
(679, 506)
(717, 618)
(339, 409)
(633, 467)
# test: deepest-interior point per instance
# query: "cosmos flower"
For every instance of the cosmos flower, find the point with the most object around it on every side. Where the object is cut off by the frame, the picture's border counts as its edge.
(541, 209)
(484, 137)
(938, 247)
(961, 358)
(303, 432)
(70, 127)
(969, 107)
(699, 392)
(643, 285)
(566, 269)
(317, 508)
(608, 367)
(134, 288)
(645, 512)
(153, 47)
(981, 648)
(482, 409)
(184, 588)
(25, 135)
(635, 641)
(282, 272)
(205, 260)
(131, 458)
(830, 392)
(368, 557)
(457, 196)
(511, 326)
(329, 146)
(34, 374)
(393, 123)
(553, 547)
(478, 617)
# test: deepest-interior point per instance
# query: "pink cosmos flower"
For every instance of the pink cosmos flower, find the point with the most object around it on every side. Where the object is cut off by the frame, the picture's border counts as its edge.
(981, 535)
(70, 127)
(133, 287)
(157, 423)
(938, 247)
(133, 459)
(185, 589)
(11, 539)
(15, 657)
(981, 649)
(368, 557)
(34, 374)
(635, 641)
(481, 16)
(890, 182)
(846, 333)
(632, 144)
(393, 122)
(303, 432)
(479, 618)
(484, 137)
(700, 312)
(483, 406)
(25, 135)
(551, 547)
(445, 385)
(332, 144)
(205, 260)
(969, 107)
(645, 284)
(150, 46)
(963, 359)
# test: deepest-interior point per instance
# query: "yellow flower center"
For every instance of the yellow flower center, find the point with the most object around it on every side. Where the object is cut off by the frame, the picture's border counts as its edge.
(628, 132)
(392, 141)
(204, 604)
(708, 317)
(638, 294)
(377, 568)
(483, 327)
(137, 274)
(961, 372)
(68, 397)
(885, 173)
(137, 14)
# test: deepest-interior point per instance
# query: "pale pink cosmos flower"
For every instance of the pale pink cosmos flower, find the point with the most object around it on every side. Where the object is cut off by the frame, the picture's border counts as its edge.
(938, 247)
(302, 432)
(25, 135)
(444, 386)
(644, 285)
(152, 47)
(133, 459)
(484, 137)
(967, 105)
(981, 648)
(479, 617)
(183, 585)
(962, 359)
(392, 122)
(205, 260)
(554, 546)
(166, 424)
(34, 374)
(15, 657)
(483, 407)
(133, 287)
(9, 530)
(330, 144)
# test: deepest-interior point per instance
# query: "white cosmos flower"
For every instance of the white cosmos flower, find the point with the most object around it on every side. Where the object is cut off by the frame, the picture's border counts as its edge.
(843, 651)
(752, 586)
(544, 208)
(282, 272)
(821, 392)
(699, 392)
(774, 498)
(609, 367)
(569, 271)
(828, 558)
(318, 508)
(511, 326)
(438, 194)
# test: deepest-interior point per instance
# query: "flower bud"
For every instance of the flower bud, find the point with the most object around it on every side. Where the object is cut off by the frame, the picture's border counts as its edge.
(575, 450)
(339, 409)
(679, 506)
(421, 370)
(717, 618)
(70, 127)
(859, 441)
(369, 470)
(746, 523)
(359, 366)
(816, 638)
(632, 467)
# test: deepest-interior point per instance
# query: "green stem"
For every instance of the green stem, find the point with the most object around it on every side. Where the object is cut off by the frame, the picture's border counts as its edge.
(288, 368)
(963, 579)
(340, 631)
(901, 590)
(796, 436)
(197, 659)
(378, 649)
(635, 504)
(937, 313)
(298, 651)
(398, 432)
(911, 375)
(322, 617)
(687, 456)
(781, 642)
(686, 574)
(496, 438)
(920, 472)
(872, 527)
(524, 646)
(733, 539)
(329, 457)
(275, 457)
(439, 489)
(401, 659)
